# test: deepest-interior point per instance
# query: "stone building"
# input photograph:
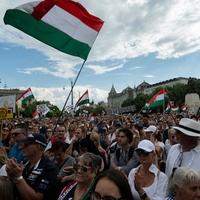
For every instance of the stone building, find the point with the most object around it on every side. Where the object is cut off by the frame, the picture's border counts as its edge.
(9, 92)
(116, 99)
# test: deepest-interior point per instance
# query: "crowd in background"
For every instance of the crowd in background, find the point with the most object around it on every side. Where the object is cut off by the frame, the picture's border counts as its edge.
(118, 157)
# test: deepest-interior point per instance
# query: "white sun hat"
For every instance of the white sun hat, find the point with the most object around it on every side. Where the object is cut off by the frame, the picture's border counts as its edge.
(189, 127)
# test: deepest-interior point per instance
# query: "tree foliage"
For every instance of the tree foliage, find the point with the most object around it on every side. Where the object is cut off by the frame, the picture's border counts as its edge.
(140, 101)
(28, 110)
(128, 102)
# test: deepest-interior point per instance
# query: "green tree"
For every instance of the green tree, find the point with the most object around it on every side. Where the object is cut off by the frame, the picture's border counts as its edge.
(140, 101)
(98, 110)
(28, 110)
(128, 102)
(177, 93)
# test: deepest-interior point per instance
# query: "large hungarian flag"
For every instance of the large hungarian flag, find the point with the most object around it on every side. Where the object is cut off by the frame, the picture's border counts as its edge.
(63, 24)
(25, 98)
(157, 100)
(84, 99)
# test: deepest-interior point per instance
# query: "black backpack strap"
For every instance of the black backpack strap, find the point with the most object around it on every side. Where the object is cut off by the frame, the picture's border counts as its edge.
(117, 152)
(130, 153)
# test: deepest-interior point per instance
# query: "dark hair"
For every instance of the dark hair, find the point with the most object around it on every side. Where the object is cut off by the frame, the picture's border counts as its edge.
(59, 145)
(88, 145)
(119, 179)
(128, 133)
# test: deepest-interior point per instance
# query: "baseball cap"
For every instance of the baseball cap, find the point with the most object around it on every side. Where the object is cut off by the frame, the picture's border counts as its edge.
(151, 128)
(146, 145)
(35, 138)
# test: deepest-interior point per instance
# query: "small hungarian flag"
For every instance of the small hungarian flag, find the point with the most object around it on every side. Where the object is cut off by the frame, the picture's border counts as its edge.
(171, 107)
(84, 99)
(25, 98)
(157, 100)
(63, 24)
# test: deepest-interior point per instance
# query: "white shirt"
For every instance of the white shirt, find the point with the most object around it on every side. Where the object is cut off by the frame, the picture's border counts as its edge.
(3, 171)
(157, 190)
(190, 158)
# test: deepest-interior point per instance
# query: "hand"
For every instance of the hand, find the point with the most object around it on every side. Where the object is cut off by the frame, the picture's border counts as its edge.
(13, 168)
(138, 182)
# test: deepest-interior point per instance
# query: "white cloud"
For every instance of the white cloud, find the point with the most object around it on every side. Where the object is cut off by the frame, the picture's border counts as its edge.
(149, 76)
(136, 67)
(57, 96)
(132, 28)
(61, 72)
(98, 69)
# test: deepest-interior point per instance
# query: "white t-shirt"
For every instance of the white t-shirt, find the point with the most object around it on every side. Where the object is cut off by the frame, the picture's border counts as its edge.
(157, 190)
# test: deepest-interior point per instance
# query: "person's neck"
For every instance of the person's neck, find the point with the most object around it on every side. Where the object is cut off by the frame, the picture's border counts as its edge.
(189, 146)
(83, 186)
(145, 168)
(125, 146)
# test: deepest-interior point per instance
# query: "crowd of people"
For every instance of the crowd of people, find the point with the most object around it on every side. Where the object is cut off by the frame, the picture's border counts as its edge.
(118, 157)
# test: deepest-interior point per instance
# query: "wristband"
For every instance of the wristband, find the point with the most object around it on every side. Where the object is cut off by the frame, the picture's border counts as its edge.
(143, 195)
(16, 179)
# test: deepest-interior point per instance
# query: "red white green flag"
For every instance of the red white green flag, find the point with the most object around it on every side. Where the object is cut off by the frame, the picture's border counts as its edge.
(84, 99)
(25, 98)
(171, 107)
(63, 24)
(157, 100)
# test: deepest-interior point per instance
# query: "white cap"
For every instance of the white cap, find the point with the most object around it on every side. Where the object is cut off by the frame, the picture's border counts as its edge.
(146, 145)
(151, 128)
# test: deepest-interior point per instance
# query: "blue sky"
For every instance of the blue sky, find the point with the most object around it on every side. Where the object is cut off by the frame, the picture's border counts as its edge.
(140, 40)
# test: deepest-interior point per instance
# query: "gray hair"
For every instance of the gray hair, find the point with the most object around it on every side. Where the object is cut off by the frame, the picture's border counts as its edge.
(92, 160)
(184, 176)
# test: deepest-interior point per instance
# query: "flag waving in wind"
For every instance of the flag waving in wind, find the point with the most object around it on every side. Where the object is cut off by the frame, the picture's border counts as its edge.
(84, 99)
(63, 24)
(25, 98)
(157, 100)
(171, 107)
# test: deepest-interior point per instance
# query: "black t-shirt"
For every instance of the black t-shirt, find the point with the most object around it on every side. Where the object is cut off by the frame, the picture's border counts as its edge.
(42, 178)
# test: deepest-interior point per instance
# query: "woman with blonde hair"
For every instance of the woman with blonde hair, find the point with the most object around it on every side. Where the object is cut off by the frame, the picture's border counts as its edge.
(85, 171)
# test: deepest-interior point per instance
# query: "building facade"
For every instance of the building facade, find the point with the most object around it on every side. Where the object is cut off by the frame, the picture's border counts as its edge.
(116, 99)
(9, 92)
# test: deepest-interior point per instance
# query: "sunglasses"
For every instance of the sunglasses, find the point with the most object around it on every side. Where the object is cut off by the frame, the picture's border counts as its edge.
(142, 152)
(83, 168)
(97, 196)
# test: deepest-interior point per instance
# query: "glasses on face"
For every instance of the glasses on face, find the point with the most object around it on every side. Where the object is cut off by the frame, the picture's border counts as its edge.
(97, 196)
(141, 152)
(83, 168)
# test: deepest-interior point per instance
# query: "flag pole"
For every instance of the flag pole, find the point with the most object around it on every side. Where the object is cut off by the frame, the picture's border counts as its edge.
(164, 104)
(72, 87)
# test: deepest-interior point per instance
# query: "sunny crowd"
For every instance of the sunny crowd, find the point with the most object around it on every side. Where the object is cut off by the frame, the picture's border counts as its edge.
(119, 157)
